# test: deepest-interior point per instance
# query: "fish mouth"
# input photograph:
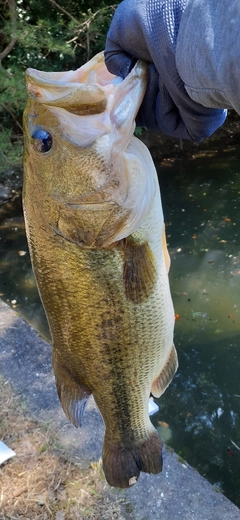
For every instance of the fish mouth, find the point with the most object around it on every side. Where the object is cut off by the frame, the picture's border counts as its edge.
(81, 91)
(85, 91)
(93, 72)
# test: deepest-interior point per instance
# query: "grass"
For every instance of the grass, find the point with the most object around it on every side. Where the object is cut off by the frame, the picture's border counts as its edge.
(40, 482)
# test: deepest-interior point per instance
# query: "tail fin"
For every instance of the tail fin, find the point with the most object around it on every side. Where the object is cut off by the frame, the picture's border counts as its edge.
(122, 464)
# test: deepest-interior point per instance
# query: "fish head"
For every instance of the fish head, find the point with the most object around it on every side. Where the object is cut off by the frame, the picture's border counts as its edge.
(78, 126)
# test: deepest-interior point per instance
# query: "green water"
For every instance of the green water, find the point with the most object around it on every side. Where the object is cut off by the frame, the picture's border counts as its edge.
(200, 412)
(201, 200)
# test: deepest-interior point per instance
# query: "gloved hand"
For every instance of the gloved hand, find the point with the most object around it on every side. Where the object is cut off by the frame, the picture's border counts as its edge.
(148, 30)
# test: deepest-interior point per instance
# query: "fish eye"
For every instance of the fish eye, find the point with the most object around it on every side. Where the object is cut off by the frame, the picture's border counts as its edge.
(42, 141)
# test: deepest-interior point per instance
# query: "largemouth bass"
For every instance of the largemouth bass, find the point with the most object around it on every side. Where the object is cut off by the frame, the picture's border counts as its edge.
(96, 236)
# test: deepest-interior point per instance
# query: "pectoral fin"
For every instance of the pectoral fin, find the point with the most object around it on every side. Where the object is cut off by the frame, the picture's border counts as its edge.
(164, 379)
(139, 273)
(73, 396)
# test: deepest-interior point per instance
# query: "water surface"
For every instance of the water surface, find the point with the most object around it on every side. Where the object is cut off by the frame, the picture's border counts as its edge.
(201, 199)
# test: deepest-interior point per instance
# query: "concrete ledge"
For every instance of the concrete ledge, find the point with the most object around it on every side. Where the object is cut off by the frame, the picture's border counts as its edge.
(179, 492)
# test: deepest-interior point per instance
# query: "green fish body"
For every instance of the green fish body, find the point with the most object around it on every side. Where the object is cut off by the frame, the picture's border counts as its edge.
(96, 236)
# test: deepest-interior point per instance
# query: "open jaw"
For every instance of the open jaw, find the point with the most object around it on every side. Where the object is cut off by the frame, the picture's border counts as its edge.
(90, 90)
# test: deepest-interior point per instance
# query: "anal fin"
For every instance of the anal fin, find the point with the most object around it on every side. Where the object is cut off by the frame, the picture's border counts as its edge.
(165, 377)
(73, 396)
(139, 272)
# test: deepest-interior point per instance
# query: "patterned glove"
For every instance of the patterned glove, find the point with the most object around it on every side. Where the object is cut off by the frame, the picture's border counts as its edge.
(148, 30)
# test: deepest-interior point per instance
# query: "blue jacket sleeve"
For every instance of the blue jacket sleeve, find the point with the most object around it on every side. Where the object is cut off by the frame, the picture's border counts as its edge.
(210, 68)
(148, 29)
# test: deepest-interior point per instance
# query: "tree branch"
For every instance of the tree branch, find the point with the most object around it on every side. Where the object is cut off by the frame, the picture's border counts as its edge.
(12, 115)
(8, 49)
(84, 27)
(63, 10)
(13, 18)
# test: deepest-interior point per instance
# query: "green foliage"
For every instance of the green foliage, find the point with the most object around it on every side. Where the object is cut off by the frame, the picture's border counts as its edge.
(12, 100)
(10, 150)
(49, 35)
(139, 130)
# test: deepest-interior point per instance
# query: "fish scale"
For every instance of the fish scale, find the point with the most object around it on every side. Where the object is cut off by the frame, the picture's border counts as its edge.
(97, 242)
